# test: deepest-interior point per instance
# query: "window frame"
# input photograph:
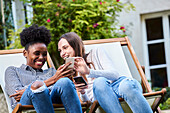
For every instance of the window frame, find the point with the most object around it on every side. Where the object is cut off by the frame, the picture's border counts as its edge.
(166, 33)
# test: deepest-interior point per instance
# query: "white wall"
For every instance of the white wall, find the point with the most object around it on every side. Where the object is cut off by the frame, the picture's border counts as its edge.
(132, 22)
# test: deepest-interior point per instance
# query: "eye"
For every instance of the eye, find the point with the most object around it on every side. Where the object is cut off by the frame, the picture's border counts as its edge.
(37, 53)
(65, 47)
(44, 54)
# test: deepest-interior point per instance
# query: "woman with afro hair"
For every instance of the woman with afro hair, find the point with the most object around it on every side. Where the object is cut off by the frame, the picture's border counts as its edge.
(30, 85)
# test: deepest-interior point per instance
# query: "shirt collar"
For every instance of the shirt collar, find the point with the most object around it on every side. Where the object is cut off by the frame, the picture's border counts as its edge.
(26, 67)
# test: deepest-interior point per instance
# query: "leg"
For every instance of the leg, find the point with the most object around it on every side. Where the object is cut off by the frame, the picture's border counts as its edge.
(64, 92)
(131, 91)
(106, 97)
(39, 99)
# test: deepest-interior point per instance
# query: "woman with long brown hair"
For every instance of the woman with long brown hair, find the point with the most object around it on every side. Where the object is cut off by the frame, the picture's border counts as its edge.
(108, 84)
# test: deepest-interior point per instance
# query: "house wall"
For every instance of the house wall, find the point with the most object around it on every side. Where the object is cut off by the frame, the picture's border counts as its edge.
(132, 22)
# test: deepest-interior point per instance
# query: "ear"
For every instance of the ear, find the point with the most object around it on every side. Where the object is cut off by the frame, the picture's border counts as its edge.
(25, 53)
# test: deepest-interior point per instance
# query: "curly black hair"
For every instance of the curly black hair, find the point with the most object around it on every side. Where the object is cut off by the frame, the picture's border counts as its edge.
(34, 34)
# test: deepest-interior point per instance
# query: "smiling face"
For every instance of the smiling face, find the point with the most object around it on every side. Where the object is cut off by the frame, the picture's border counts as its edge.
(65, 49)
(36, 55)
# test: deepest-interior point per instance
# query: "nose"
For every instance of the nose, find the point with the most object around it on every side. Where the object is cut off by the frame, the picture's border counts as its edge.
(62, 54)
(41, 56)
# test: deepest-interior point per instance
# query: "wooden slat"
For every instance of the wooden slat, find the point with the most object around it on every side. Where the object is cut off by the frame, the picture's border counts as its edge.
(94, 106)
(14, 51)
(143, 77)
(162, 92)
(49, 60)
(121, 40)
(11, 51)
(20, 107)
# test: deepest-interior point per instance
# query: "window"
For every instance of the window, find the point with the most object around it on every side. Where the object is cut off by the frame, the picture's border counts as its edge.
(159, 77)
(156, 54)
(154, 28)
(156, 44)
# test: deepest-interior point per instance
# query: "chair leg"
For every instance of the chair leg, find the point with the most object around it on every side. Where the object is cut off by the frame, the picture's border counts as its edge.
(158, 110)
(155, 105)
(16, 109)
(94, 106)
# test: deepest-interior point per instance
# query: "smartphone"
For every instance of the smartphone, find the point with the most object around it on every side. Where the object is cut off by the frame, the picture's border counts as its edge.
(80, 79)
(70, 59)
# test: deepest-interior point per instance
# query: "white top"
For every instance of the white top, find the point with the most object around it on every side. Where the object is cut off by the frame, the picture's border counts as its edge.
(104, 68)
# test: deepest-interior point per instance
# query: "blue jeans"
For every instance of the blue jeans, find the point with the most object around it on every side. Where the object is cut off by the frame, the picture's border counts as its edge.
(129, 89)
(63, 92)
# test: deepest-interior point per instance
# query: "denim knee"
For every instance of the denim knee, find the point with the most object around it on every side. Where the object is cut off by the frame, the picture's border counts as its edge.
(64, 82)
(38, 86)
(99, 84)
(129, 86)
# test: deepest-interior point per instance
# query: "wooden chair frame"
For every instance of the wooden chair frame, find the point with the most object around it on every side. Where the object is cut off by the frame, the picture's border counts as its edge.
(19, 108)
(125, 42)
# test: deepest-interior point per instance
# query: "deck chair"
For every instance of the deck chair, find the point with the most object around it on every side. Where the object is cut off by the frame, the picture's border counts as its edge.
(117, 49)
(15, 58)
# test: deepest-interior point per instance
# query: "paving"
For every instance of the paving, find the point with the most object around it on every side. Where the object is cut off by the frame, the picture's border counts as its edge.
(3, 105)
(166, 111)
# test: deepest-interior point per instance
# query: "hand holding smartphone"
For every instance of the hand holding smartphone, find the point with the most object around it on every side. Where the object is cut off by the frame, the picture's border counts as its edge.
(80, 80)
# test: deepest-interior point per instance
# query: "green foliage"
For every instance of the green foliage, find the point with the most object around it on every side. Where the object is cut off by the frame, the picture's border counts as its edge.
(165, 104)
(90, 19)
(7, 7)
(14, 36)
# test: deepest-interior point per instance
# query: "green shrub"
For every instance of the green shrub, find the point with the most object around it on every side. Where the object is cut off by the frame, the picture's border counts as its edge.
(90, 19)
(7, 7)
(165, 104)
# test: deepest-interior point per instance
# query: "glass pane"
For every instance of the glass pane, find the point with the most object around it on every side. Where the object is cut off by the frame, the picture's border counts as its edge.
(154, 28)
(156, 54)
(159, 77)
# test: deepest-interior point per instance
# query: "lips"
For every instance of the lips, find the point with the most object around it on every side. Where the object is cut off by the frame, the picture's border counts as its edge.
(65, 57)
(39, 63)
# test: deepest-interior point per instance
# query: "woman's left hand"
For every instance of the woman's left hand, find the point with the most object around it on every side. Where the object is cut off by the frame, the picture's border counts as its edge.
(81, 66)
(80, 87)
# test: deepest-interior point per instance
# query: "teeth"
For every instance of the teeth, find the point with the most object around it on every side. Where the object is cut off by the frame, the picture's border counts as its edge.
(66, 57)
(39, 62)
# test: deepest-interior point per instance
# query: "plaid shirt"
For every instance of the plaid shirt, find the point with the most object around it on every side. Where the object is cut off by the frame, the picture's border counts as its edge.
(20, 78)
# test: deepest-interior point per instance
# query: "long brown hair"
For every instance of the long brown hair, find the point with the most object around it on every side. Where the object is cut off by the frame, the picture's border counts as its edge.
(77, 44)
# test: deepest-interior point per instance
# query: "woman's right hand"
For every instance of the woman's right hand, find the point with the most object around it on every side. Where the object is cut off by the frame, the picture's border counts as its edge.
(62, 72)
